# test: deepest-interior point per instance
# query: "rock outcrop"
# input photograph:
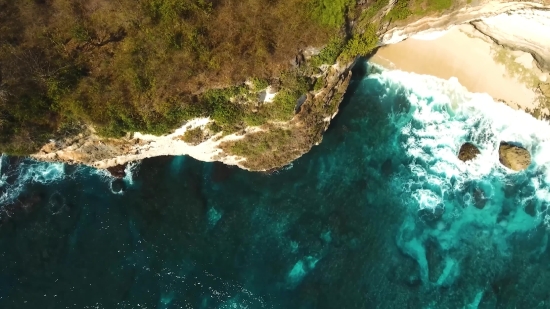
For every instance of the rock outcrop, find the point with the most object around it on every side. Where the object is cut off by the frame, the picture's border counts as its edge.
(526, 30)
(90, 149)
(467, 152)
(514, 157)
(517, 25)
(117, 171)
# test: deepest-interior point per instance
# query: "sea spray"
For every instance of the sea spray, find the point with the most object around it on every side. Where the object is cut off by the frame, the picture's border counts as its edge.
(15, 176)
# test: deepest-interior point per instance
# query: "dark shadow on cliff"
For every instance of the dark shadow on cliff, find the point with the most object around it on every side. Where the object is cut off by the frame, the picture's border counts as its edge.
(359, 71)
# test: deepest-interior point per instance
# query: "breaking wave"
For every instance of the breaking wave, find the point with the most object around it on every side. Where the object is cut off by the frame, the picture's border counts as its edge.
(462, 207)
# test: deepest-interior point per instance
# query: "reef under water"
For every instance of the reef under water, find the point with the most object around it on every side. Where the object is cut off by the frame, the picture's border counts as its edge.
(382, 214)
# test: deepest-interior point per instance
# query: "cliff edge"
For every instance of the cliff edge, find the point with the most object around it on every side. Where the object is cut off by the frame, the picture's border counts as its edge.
(274, 144)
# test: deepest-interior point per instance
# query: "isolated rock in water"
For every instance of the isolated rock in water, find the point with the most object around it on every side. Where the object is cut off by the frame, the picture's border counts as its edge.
(514, 157)
(468, 152)
(117, 171)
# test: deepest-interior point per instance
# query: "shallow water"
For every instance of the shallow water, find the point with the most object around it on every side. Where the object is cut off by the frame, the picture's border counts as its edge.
(380, 215)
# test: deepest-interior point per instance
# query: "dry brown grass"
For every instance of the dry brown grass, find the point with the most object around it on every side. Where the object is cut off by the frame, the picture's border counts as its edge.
(193, 136)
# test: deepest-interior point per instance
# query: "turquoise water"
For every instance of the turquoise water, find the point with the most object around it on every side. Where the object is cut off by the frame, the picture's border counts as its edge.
(380, 215)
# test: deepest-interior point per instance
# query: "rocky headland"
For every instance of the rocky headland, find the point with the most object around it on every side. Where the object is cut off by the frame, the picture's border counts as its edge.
(498, 47)
(502, 49)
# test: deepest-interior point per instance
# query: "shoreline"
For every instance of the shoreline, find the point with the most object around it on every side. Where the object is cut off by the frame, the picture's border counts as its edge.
(467, 56)
(475, 60)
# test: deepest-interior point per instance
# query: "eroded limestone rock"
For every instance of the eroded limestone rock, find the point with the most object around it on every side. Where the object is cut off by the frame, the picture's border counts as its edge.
(117, 171)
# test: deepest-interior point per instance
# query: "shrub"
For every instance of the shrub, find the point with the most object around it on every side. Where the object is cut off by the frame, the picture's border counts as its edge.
(319, 83)
(283, 105)
(399, 11)
(255, 118)
(259, 83)
(221, 108)
(329, 53)
(81, 34)
(256, 145)
(439, 5)
(193, 136)
(368, 14)
(361, 44)
(143, 66)
(330, 13)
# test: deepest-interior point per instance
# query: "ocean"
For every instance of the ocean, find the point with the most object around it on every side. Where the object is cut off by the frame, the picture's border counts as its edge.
(382, 214)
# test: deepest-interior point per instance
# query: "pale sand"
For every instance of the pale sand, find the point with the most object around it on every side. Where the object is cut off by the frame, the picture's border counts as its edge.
(464, 53)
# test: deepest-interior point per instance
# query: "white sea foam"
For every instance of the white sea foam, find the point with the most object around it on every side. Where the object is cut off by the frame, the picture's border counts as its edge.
(442, 116)
(116, 188)
(446, 116)
(130, 170)
(28, 171)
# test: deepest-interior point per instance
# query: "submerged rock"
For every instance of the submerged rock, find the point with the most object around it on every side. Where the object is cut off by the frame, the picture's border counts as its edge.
(514, 157)
(467, 152)
(386, 167)
(479, 199)
(530, 209)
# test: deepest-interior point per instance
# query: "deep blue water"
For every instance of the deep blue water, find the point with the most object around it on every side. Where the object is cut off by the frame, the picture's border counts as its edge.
(380, 215)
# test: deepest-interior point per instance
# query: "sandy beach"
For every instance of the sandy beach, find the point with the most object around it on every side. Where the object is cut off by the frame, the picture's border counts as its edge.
(479, 64)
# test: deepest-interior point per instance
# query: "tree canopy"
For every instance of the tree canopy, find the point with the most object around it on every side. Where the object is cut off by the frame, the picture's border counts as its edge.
(140, 65)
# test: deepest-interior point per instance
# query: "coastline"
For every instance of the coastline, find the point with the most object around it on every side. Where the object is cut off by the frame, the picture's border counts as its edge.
(460, 44)
(475, 60)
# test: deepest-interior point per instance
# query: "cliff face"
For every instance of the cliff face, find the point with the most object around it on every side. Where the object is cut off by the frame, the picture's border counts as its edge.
(526, 29)
(90, 149)
(521, 26)
(514, 58)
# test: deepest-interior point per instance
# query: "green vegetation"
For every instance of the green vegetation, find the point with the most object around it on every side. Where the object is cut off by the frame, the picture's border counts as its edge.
(259, 83)
(319, 84)
(150, 65)
(276, 139)
(438, 5)
(193, 136)
(329, 53)
(369, 13)
(223, 105)
(400, 10)
(293, 85)
(279, 144)
(331, 13)
(142, 65)
(361, 43)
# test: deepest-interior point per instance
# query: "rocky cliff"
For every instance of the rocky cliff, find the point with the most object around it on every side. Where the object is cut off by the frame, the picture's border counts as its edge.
(521, 26)
(90, 149)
